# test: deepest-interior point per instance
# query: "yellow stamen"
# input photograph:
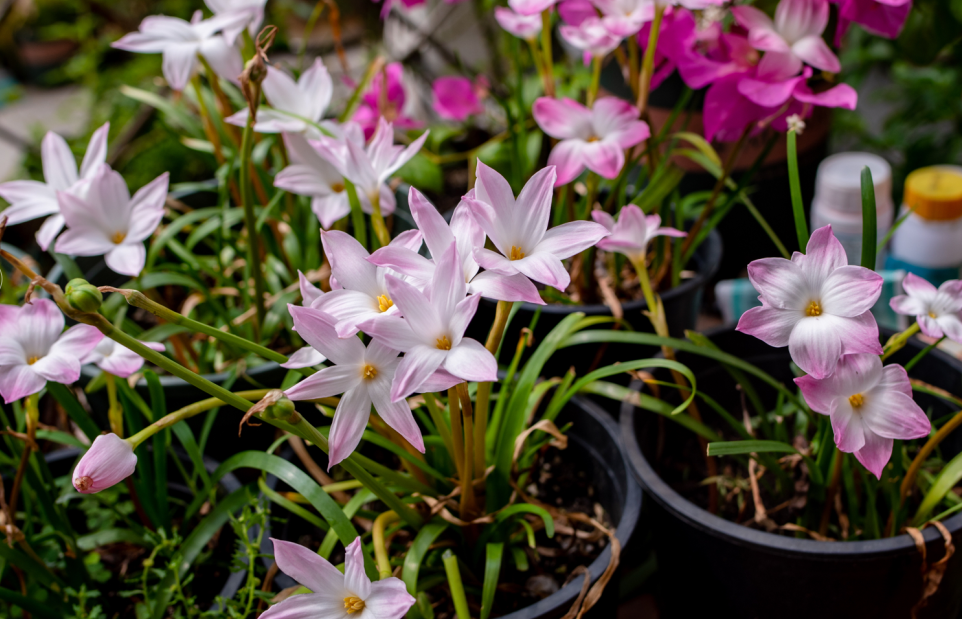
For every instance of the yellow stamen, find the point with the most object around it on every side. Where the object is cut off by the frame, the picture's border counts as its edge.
(369, 372)
(444, 343)
(384, 303)
(593, 138)
(337, 187)
(33, 360)
(856, 400)
(813, 309)
(353, 604)
(516, 253)
(118, 237)
(932, 315)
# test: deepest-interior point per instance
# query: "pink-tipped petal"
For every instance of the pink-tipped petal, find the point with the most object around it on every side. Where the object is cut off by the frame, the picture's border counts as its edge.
(19, 381)
(815, 346)
(355, 579)
(415, 368)
(604, 158)
(317, 329)
(896, 415)
(389, 599)
(495, 262)
(850, 291)
(571, 238)
(818, 394)
(109, 460)
(59, 166)
(848, 427)
(781, 282)
(491, 285)
(566, 157)
(815, 51)
(875, 453)
(545, 268)
(859, 334)
(350, 419)
(471, 361)
(562, 118)
(127, 258)
(392, 331)
(396, 414)
(769, 324)
(349, 262)
(327, 382)
(308, 568)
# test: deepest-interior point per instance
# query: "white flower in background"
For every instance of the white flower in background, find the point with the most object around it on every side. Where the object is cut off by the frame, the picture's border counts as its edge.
(32, 199)
(117, 359)
(109, 223)
(936, 310)
(253, 10)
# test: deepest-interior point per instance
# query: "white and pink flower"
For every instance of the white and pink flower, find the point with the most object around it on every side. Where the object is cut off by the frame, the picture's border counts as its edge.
(522, 26)
(108, 461)
(633, 231)
(116, 359)
(937, 310)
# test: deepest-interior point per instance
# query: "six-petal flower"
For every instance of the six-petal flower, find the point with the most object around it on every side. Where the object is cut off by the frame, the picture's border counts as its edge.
(936, 309)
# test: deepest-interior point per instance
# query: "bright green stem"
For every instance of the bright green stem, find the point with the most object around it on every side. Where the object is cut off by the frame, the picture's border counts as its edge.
(377, 220)
(595, 80)
(381, 556)
(869, 223)
(355, 100)
(546, 52)
(798, 209)
(638, 262)
(457, 587)
(186, 413)
(115, 413)
(250, 222)
(648, 62)
(483, 397)
(897, 341)
(922, 353)
(357, 215)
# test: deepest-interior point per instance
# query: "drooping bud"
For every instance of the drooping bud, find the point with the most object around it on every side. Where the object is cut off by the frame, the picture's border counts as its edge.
(109, 460)
(83, 296)
(282, 409)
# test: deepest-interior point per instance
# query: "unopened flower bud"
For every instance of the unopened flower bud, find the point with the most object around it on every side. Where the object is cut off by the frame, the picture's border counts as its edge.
(109, 460)
(83, 296)
(282, 409)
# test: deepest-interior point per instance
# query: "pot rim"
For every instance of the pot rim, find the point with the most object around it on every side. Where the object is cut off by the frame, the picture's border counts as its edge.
(711, 252)
(702, 519)
(626, 526)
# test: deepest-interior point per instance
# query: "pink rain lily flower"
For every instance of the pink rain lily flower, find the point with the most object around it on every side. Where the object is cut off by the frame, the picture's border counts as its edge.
(816, 304)
(350, 595)
(519, 228)
(306, 356)
(180, 42)
(252, 9)
(32, 199)
(110, 223)
(467, 236)
(378, 102)
(35, 348)
(870, 406)
(593, 138)
(360, 290)
(108, 461)
(531, 7)
(795, 36)
(632, 232)
(883, 18)
(362, 374)
(936, 310)
(592, 37)
(455, 98)
(296, 107)
(116, 359)
(431, 334)
(625, 18)
(522, 26)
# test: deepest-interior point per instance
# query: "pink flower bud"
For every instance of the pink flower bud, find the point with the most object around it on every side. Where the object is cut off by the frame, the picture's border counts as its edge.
(108, 461)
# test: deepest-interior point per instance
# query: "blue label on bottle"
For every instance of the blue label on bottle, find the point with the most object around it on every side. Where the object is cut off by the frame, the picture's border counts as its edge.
(935, 275)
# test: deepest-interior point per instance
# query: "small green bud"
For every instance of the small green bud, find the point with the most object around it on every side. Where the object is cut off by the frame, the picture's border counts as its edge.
(281, 408)
(83, 296)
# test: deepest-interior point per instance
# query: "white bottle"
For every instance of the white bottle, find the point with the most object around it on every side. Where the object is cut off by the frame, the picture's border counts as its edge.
(929, 241)
(838, 200)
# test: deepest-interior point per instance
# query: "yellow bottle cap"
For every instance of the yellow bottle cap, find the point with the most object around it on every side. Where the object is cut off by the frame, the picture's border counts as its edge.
(935, 193)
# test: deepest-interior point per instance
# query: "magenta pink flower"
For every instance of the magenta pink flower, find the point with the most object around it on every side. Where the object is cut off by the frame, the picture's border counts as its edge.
(936, 310)
(870, 406)
(794, 37)
(35, 348)
(593, 138)
(334, 595)
(455, 98)
(519, 228)
(108, 461)
(881, 18)
(531, 7)
(118, 360)
(379, 103)
(431, 334)
(522, 26)
(633, 231)
(816, 304)
(467, 236)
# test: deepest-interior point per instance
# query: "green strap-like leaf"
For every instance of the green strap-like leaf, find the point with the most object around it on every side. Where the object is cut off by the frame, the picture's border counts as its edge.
(733, 448)
(492, 569)
(947, 479)
(415, 555)
(74, 410)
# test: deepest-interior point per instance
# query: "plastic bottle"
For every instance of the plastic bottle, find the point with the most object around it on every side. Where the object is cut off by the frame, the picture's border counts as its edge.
(929, 241)
(838, 200)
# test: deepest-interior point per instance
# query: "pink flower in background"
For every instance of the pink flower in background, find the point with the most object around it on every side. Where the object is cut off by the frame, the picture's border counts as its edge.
(295, 107)
(116, 359)
(109, 223)
(795, 36)
(180, 42)
(108, 461)
(362, 374)
(455, 98)
(519, 228)
(870, 406)
(592, 37)
(388, 103)
(32, 199)
(531, 7)
(936, 310)
(35, 348)
(408, 4)
(625, 18)
(593, 138)
(633, 231)
(522, 26)
(816, 304)
(883, 18)
(334, 595)
(431, 334)
(468, 236)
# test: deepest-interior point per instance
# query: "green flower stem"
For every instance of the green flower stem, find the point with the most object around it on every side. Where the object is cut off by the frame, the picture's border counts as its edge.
(648, 62)
(32, 414)
(798, 209)
(372, 69)
(898, 341)
(454, 582)
(638, 262)
(457, 435)
(115, 413)
(381, 556)
(186, 413)
(495, 335)
(357, 215)
(377, 220)
(467, 473)
(442, 425)
(546, 52)
(595, 80)
(250, 220)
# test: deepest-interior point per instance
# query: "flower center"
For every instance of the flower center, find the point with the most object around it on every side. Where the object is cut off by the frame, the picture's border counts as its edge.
(516, 253)
(593, 138)
(337, 187)
(932, 315)
(856, 400)
(443, 343)
(384, 303)
(83, 483)
(369, 372)
(353, 604)
(118, 237)
(813, 309)
(33, 359)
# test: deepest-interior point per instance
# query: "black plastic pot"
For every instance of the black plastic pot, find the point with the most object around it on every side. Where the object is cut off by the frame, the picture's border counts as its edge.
(710, 565)
(682, 304)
